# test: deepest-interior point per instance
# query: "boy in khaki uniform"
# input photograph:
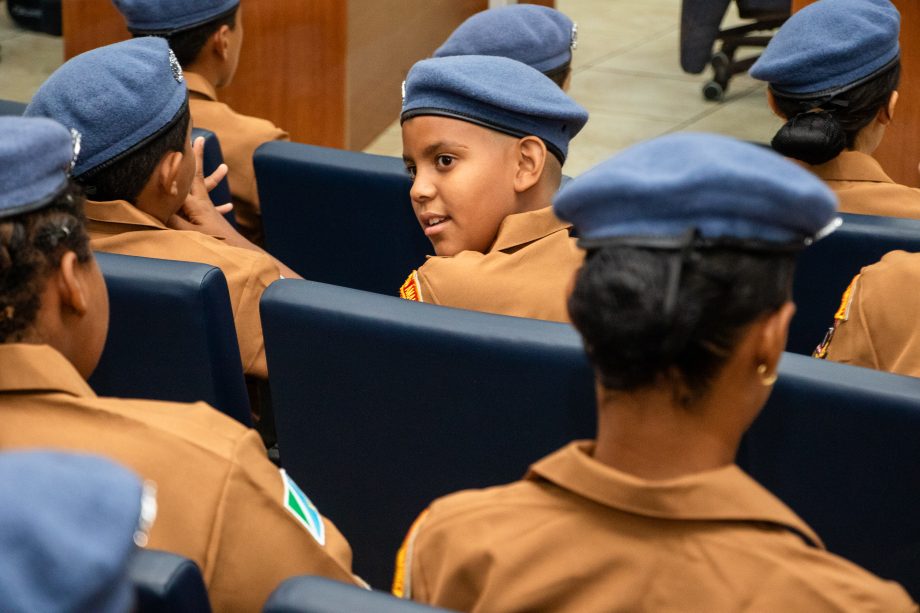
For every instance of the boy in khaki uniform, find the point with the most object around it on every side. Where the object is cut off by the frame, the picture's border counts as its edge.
(833, 70)
(206, 36)
(129, 104)
(683, 304)
(484, 140)
(221, 502)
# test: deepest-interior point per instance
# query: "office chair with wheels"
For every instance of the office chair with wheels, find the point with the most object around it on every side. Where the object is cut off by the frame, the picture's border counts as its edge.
(700, 30)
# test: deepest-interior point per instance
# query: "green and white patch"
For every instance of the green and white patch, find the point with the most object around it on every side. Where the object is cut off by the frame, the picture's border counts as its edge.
(298, 505)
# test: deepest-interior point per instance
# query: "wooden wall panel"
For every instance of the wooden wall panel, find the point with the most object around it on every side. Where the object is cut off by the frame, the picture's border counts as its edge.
(900, 151)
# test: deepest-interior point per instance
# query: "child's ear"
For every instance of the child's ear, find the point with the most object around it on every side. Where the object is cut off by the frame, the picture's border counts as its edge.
(167, 172)
(221, 40)
(531, 160)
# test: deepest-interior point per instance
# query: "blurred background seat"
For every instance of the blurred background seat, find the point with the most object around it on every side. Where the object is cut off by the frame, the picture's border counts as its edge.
(167, 583)
(320, 595)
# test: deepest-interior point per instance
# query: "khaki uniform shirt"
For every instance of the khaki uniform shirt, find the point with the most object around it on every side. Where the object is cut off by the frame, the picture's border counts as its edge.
(578, 536)
(220, 502)
(864, 188)
(876, 325)
(525, 273)
(239, 136)
(119, 227)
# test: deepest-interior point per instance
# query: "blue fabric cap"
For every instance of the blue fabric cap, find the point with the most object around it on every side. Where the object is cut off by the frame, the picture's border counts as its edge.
(35, 159)
(497, 93)
(117, 97)
(830, 46)
(169, 16)
(725, 189)
(67, 526)
(541, 37)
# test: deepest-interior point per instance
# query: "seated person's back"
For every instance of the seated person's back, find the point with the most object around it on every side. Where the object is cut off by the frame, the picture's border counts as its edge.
(129, 104)
(207, 36)
(683, 304)
(833, 70)
(484, 140)
(221, 502)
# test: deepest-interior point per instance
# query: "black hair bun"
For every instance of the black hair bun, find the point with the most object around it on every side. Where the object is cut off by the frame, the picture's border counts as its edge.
(814, 137)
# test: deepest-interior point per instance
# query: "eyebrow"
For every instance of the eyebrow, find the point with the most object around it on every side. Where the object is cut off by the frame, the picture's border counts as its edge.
(443, 144)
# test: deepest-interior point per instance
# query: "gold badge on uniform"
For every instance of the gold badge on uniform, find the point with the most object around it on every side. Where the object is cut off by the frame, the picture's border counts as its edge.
(842, 314)
(410, 290)
(402, 578)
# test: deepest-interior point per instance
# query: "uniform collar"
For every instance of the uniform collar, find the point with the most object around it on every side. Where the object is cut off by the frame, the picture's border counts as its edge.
(724, 494)
(852, 166)
(39, 368)
(523, 228)
(197, 84)
(121, 212)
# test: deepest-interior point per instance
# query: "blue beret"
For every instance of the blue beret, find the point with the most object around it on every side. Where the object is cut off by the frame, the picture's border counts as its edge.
(541, 37)
(117, 97)
(67, 529)
(830, 46)
(169, 16)
(728, 191)
(497, 93)
(35, 159)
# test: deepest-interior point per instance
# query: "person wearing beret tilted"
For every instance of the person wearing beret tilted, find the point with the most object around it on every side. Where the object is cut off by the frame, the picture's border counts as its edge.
(833, 71)
(206, 36)
(221, 502)
(539, 36)
(129, 104)
(70, 525)
(484, 141)
(683, 304)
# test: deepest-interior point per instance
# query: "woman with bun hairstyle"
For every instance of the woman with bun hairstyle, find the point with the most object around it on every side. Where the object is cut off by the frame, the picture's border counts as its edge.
(833, 70)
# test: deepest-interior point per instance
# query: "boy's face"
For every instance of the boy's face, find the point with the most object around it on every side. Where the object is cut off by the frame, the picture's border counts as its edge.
(463, 181)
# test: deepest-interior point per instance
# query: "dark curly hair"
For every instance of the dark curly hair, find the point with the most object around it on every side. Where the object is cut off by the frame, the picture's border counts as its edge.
(31, 247)
(819, 129)
(618, 306)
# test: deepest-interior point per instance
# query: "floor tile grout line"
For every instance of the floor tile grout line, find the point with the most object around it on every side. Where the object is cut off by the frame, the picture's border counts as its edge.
(620, 50)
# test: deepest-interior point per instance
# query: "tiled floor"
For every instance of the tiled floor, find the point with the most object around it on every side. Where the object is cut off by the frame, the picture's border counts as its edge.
(627, 74)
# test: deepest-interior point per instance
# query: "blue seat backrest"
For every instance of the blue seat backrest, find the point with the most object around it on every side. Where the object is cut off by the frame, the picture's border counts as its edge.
(826, 268)
(320, 595)
(338, 216)
(167, 583)
(839, 444)
(383, 404)
(171, 335)
(11, 107)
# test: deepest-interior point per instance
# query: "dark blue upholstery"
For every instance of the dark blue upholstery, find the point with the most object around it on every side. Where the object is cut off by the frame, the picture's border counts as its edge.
(320, 595)
(338, 216)
(167, 583)
(10, 107)
(839, 445)
(826, 268)
(384, 404)
(171, 335)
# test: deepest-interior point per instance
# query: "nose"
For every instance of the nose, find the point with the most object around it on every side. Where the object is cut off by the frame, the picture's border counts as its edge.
(423, 189)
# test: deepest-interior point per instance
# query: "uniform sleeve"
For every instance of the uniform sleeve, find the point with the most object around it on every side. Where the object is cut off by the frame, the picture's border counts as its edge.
(851, 339)
(265, 531)
(263, 273)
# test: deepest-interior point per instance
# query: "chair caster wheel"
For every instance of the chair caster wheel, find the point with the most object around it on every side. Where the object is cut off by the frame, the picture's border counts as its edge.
(714, 91)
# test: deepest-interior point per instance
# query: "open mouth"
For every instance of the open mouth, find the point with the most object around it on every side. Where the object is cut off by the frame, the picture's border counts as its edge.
(435, 224)
(434, 221)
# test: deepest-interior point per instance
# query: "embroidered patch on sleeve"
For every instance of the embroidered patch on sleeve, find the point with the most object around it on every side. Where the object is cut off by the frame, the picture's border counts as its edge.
(410, 290)
(298, 505)
(402, 578)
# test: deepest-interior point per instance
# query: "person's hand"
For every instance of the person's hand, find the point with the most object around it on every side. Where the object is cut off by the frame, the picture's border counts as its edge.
(198, 213)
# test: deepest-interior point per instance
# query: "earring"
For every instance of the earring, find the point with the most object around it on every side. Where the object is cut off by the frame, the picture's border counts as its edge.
(766, 380)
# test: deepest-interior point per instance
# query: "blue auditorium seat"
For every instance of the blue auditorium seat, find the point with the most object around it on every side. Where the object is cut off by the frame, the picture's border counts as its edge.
(339, 217)
(167, 583)
(839, 444)
(10, 107)
(826, 268)
(171, 335)
(320, 595)
(384, 404)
